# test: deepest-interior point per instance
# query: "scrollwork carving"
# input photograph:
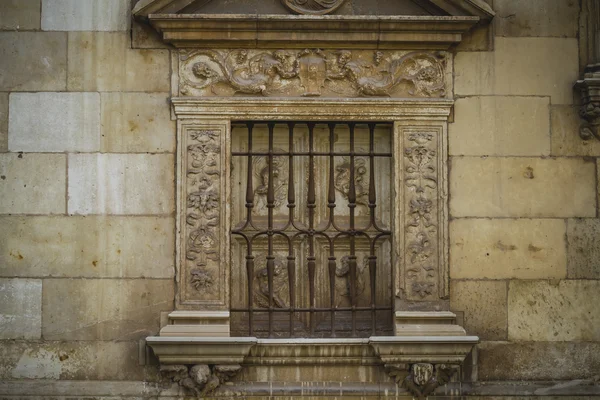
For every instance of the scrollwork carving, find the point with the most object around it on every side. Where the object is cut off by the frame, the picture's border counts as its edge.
(313, 7)
(312, 72)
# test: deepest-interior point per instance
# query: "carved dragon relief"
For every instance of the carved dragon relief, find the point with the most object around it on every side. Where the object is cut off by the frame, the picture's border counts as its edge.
(309, 73)
(203, 208)
(421, 212)
(313, 7)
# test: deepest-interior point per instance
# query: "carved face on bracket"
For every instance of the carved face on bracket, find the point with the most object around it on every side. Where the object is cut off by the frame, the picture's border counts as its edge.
(422, 373)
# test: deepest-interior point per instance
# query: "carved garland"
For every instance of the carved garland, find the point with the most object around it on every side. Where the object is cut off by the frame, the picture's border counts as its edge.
(310, 73)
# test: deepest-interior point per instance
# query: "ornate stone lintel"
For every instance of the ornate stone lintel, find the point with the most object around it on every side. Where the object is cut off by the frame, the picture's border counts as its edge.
(589, 88)
(201, 380)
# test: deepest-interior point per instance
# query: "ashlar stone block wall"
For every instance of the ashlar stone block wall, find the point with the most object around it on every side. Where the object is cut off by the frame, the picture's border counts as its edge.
(87, 194)
(86, 191)
(524, 227)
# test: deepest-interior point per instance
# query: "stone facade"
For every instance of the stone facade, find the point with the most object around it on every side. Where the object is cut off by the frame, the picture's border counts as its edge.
(90, 197)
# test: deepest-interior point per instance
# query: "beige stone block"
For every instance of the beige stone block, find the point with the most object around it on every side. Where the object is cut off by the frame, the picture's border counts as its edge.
(520, 66)
(3, 122)
(54, 122)
(104, 61)
(20, 15)
(33, 61)
(121, 184)
(522, 187)
(499, 125)
(541, 361)
(33, 183)
(583, 248)
(484, 307)
(93, 247)
(20, 308)
(507, 249)
(137, 122)
(553, 310)
(565, 123)
(479, 38)
(87, 361)
(104, 309)
(86, 15)
(554, 18)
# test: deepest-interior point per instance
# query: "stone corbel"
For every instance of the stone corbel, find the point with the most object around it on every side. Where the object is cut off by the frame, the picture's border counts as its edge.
(201, 379)
(589, 88)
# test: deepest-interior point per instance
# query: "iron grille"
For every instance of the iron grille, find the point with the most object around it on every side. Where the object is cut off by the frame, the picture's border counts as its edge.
(305, 210)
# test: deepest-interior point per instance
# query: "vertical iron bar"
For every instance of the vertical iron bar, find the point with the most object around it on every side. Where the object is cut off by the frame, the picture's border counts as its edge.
(352, 256)
(311, 205)
(249, 256)
(331, 206)
(372, 205)
(291, 204)
(270, 207)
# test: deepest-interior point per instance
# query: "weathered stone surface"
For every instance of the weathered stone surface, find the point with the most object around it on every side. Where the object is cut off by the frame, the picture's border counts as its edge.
(520, 66)
(484, 307)
(104, 61)
(3, 122)
(105, 247)
(85, 15)
(522, 187)
(565, 123)
(137, 122)
(553, 310)
(554, 18)
(20, 15)
(479, 38)
(72, 360)
(20, 308)
(499, 125)
(143, 36)
(33, 61)
(54, 122)
(583, 248)
(121, 184)
(544, 361)
(33, 183)
(104, 309)
(507, 249)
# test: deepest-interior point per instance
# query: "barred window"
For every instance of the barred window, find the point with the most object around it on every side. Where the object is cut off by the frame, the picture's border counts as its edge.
(311, 213)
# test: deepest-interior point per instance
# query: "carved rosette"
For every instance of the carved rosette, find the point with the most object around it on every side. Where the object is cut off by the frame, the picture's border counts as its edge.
(200, 380)
(312, 73)
(313, 7)
(423, 266)
(201, 271)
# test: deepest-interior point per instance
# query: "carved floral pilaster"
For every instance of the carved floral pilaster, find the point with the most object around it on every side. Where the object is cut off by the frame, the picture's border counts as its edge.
(423, 225)
(203, 237)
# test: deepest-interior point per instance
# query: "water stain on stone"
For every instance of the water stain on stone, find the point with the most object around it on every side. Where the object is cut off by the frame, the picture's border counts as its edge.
(94, 263)
(534, 249)
(528, 173)
(504, 247)
(18, 256)
(3, 177)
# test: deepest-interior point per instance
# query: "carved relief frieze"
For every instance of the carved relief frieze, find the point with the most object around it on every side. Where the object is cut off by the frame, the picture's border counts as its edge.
(313, 7)
(421, 214)
(201, 271)
(312, 73)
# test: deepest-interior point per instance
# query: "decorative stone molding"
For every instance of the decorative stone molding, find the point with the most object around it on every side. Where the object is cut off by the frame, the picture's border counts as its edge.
(312, 73)
(424, 378)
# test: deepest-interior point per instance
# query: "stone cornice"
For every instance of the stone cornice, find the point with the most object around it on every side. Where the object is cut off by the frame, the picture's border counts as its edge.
(302, 31)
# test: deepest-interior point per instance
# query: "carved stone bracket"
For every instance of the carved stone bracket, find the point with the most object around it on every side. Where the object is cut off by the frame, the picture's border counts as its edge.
(201, 380)
(589, 87)
(422, 378)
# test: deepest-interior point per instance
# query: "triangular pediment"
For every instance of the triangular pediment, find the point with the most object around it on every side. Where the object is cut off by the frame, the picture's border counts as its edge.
(449, 8)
